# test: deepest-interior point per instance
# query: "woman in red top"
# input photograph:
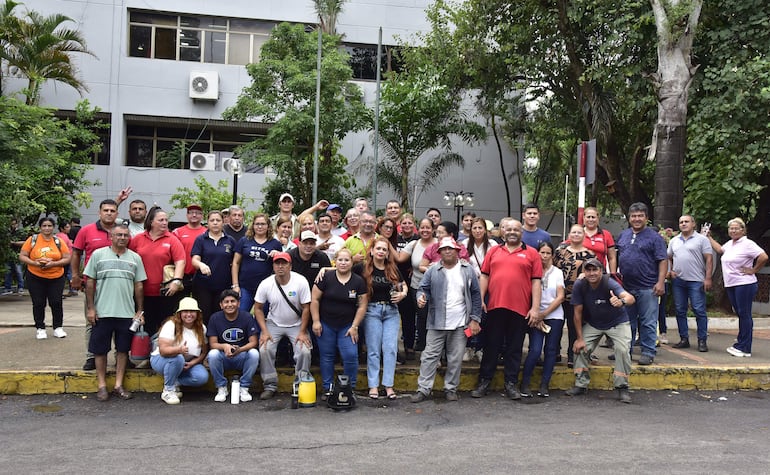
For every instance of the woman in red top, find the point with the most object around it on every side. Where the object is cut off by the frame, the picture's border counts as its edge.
(46, 256)
(158, 248)
(598, 240)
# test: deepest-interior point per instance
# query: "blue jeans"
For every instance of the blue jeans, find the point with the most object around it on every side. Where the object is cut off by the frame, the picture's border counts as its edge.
(741, 297)
(693, 292)
(644, 314)
(552, 341)
(14, 271)
(172, 369)
(381, 326)
(246, 363)
(329, 342)
(662, 301)
(247, 300)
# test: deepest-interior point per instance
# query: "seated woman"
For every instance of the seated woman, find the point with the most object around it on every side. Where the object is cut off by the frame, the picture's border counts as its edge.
(181, 350)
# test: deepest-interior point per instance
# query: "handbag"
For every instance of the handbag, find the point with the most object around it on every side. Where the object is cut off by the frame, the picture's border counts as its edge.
(168, 277)
(299, 314)
(141, 344)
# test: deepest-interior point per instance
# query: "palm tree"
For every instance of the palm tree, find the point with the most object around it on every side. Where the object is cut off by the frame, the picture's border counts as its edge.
(327, 11)
(41, 49)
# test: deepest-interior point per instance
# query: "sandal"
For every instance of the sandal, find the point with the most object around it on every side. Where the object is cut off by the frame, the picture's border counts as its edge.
(391, 394)
(122, 393)
(374, 393)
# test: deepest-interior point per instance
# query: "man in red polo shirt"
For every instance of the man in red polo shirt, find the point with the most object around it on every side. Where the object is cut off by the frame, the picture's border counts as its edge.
(510, 275)
(186, 235)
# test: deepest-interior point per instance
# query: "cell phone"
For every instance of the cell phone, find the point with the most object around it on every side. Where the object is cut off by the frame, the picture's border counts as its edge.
(468, 332)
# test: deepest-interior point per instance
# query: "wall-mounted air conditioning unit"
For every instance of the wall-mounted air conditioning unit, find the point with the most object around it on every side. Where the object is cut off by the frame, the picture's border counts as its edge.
(204, 85)
(203, 161)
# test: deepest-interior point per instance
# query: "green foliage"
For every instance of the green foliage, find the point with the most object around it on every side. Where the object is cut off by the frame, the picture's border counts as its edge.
(727, 170)
(43, 162)
(418, 113)
(208, 196)
(283, 90)
(41, 48)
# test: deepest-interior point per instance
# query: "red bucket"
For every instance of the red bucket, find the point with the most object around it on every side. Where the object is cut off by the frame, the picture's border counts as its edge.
(140, 345)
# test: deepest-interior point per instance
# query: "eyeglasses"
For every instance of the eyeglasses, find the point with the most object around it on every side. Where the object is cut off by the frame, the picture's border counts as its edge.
(390, 228)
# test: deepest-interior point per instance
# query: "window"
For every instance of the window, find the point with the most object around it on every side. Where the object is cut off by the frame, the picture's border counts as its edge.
(196, 39)
(363, 60)
(163, 142)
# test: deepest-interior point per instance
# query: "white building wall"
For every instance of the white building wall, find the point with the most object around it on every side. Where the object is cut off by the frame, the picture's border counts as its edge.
(122, 85)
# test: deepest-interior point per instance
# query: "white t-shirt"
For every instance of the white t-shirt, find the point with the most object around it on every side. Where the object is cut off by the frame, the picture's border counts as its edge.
(552, 279)
(335, 244)
(415, 249)
(477, 254)
(455, 298)
(297, 291)
(188, 336)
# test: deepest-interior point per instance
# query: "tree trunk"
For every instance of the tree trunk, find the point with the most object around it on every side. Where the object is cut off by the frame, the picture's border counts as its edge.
(676, 23)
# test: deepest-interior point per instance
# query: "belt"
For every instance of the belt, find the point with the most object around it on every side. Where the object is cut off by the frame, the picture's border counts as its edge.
(382, 302)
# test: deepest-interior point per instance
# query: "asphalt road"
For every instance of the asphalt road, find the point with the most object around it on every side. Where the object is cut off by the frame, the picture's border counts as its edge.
(660, 432)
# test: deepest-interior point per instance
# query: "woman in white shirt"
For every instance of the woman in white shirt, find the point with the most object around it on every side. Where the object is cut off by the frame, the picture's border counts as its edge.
(181, 350)
(553, 315)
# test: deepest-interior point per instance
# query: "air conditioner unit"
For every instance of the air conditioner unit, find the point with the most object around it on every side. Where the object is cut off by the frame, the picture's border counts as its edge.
(203, 161)
(232, 165)
(204, 85)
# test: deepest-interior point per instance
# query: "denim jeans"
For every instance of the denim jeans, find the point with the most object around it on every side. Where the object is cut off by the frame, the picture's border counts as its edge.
(552, 341)
(43, 290)
(172, 369)
(14, 270)
(644, 314)
(246, 363)
(381, 326)
(693, 292)
(331, 340)
(247, 300)
(741, 297)
(662, 304)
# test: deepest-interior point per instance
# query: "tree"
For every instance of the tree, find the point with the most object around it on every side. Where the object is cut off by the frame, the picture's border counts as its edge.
(328, 11)
(208, 196)
(43, 162)
(283, 91)
(676, 22)
(417, 115)
(727, 172)
(41, 48)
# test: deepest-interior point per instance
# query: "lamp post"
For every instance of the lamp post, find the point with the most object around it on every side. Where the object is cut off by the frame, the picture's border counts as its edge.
(459, 200)
(233, 166)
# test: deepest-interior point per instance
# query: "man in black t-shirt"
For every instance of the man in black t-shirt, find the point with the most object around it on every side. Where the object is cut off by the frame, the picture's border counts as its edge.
(599, 310)
(306, 259)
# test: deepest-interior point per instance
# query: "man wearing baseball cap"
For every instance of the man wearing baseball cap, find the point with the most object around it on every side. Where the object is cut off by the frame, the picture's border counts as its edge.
(186, 235)
(306, 260)
(600, 310)
(335, 213)
(286, 207)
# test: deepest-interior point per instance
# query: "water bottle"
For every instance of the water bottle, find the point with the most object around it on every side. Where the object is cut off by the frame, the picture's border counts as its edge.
(235, 392)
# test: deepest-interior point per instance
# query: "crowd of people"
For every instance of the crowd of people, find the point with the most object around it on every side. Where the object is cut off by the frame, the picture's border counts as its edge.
(226, 294)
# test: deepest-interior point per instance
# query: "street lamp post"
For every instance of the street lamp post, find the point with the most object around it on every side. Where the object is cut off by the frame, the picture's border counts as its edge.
(459, 200)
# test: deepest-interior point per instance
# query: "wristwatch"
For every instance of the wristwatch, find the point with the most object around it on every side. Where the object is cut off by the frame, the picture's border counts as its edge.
(623, 301)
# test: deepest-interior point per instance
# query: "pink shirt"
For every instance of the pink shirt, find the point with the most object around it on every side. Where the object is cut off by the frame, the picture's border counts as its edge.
(738, 254)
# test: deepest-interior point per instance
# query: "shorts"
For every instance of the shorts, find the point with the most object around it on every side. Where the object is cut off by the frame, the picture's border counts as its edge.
(102, 334)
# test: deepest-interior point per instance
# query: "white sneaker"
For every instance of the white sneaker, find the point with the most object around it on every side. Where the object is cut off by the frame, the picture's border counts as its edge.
(221, 394)
(663, 339)
(245, 395)
(169, 397)
(41, 334)
(736, 352)
(178, 391)
(59, 332)
(468, 355)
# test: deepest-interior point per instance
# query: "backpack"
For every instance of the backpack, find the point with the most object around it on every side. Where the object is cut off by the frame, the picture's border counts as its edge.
(341, 397)
(55, 240)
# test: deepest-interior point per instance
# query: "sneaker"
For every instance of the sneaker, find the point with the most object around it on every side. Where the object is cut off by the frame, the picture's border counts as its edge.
(245, 395)
(543, 392)
(267, 394)
(738, 353)
(20, 291)
(525, 391)
(468, 355)
(482, 389)
(178, 392)
(702, 347)
(683, 343)
(59, 332)
(7, 292)
(511, 391)
(89, 365)
(646, 360)
(576, 391)
(663, 339)
(419, 396)
(624, 396)
(169, 397)
(222, 394)
(40, 334)
(451, 396)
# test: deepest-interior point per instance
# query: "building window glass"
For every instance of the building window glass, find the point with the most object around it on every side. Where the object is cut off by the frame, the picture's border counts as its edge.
(363, 60)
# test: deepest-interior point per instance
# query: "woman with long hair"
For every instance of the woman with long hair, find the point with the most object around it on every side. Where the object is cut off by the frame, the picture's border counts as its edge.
(306, 223)
(337, 307)
(46, 256)
(158, 248)
(251, 261)
(569, 258)
(406, 307)
(413, 253)
(386, 288)
(182, 347)
(552, 315)
(387, 228)
(212, 257)
(284, 229)
(741, 260)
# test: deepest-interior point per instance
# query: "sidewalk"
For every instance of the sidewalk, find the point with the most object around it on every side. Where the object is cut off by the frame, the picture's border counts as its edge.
(30, 366)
